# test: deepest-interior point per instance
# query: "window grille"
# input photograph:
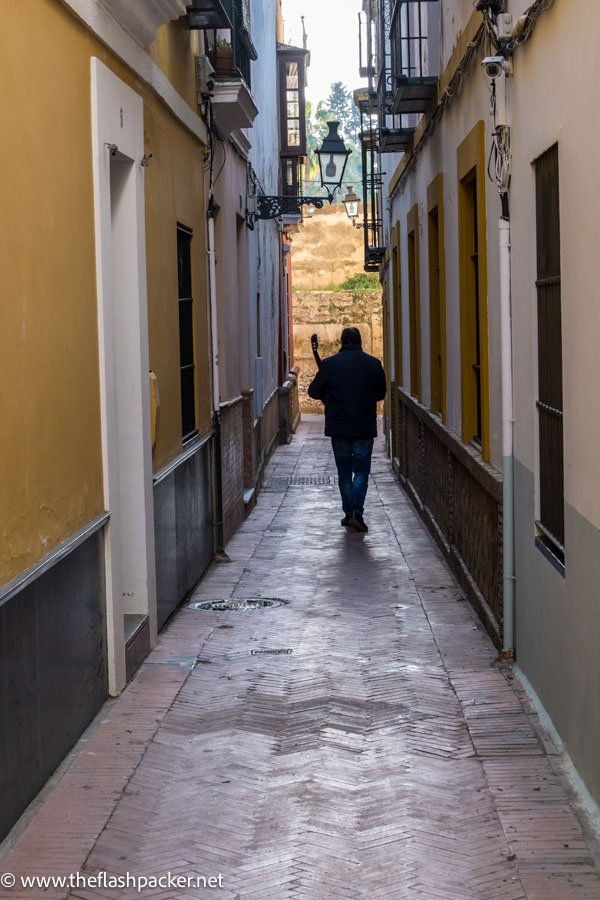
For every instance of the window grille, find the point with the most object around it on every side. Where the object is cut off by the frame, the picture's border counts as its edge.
(187, 366)
(551, 523)
(414, 48)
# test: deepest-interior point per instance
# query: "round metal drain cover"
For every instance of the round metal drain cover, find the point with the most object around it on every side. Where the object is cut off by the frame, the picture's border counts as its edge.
(237, 604)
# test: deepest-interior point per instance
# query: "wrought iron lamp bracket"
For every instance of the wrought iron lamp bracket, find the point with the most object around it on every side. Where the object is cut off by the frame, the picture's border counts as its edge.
(274, 207)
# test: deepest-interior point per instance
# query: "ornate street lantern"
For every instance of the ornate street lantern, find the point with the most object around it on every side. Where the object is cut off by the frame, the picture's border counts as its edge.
(351, 202)
(333, 157)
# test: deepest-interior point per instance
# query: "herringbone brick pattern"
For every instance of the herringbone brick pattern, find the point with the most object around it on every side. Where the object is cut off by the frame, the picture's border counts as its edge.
(388, 755)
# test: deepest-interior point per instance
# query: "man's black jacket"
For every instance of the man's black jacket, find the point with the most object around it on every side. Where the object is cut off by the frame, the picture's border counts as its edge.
(349, 384)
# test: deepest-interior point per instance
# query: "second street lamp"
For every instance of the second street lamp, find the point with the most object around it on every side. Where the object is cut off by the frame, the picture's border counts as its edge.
(333, 157)
(351, 202)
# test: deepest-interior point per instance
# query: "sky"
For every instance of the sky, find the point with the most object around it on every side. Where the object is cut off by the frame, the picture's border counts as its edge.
(332, 29)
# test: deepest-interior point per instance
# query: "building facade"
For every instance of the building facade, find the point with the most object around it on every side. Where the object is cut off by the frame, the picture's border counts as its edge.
(481, 230)
(131, 322)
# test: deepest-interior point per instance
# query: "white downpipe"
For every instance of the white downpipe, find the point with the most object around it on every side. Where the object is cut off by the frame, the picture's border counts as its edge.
(214, 327)
(507, 438)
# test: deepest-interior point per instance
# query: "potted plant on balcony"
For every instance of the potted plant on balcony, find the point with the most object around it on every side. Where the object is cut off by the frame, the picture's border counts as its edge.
(221, 57)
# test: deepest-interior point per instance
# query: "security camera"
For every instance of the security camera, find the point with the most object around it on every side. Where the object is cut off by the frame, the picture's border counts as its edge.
(495, 65)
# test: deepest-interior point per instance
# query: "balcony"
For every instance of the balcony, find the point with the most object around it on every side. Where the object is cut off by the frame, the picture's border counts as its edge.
(415, 42)
(233, 105)
(231, 52)
(395, 140)
(395, 131)
(372, 184)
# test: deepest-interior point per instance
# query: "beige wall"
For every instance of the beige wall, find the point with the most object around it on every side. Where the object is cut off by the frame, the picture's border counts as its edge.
(327, 250)
(50, 450)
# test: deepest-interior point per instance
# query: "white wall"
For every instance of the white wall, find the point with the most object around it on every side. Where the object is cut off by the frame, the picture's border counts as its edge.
(264, 157)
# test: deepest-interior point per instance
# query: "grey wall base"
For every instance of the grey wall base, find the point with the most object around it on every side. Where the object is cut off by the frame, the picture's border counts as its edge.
(183, 528)
(558, 628)
(53, 677)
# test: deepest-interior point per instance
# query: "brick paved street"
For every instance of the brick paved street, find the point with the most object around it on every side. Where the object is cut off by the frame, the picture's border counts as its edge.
(388, 754)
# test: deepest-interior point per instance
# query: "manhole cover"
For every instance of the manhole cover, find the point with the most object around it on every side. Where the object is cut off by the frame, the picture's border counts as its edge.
(283, 652)
(237, 604)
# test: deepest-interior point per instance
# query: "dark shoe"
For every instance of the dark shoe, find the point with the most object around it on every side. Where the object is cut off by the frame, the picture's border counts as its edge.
(346, 520)
(357, 523)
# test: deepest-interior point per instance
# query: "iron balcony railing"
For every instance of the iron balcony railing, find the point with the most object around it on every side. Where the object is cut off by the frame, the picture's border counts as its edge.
(231, 50)
(414, 38)
(372, 185)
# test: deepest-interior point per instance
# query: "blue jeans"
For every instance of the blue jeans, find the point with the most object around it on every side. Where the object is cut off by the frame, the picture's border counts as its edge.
(353, 461)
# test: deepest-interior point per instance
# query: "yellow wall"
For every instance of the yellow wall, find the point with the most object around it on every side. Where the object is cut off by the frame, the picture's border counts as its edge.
(174, 186)
(173, 50)
(50, 449)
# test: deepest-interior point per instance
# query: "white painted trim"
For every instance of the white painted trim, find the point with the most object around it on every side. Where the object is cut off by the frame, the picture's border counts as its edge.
(241, 142)
(102, 24)
(194, 448)
(233, 107)
(117, 119)
(26, 578)
(142, 21)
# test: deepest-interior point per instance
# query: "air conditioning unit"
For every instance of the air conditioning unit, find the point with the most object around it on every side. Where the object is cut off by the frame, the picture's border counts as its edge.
(204, 77)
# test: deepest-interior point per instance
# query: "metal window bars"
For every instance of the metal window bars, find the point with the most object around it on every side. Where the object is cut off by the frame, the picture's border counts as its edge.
(231, 51)
(415, 43)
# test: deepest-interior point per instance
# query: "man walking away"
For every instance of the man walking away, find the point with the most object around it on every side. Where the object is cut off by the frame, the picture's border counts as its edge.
(350, 384)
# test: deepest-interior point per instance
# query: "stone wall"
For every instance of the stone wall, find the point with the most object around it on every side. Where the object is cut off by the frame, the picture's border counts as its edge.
(327, 313)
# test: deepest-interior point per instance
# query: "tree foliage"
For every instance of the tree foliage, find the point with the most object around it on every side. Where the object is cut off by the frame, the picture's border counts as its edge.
(360, 282)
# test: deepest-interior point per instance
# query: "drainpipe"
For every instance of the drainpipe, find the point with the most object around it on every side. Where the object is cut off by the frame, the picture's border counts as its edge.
(508, 644)
(220, 554)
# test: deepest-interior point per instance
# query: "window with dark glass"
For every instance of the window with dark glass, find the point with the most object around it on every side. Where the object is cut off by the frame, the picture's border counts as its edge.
(186, 332)
(551, 524)
(291, 179)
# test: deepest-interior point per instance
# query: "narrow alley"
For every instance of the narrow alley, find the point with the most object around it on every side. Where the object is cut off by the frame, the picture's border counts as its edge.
(359, 740)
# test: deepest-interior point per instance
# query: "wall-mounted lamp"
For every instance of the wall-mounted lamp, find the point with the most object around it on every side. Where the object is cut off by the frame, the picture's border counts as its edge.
(333, 157)
(351, 202)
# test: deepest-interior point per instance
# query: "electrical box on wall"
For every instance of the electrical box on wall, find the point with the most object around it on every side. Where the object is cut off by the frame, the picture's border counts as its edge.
(504, 26)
